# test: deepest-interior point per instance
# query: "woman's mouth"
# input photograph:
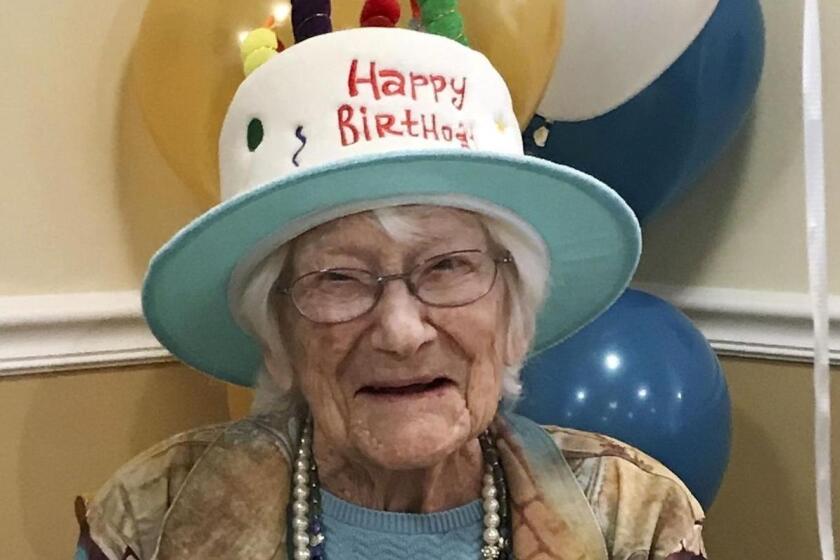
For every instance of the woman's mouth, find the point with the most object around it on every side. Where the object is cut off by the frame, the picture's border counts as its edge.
(420, 389)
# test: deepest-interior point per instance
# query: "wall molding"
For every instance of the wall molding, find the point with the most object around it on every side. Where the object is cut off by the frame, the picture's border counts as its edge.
(751, 323)
(57, 332)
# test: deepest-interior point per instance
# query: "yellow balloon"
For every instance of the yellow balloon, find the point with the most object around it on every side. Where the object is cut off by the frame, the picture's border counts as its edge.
(521, 39)
(187, 64)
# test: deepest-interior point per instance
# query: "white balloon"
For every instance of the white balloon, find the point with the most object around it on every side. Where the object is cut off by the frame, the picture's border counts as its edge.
(613, 49)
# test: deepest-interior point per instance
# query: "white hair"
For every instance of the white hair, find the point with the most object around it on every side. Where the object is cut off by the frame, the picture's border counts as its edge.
(526, 284)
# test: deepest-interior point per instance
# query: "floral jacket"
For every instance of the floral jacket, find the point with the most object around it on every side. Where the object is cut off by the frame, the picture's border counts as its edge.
(223, 491)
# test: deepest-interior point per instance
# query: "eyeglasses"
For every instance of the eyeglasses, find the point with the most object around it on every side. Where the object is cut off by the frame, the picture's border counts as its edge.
(338, 295)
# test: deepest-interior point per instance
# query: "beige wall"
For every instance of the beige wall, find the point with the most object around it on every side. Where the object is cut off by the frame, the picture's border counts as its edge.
(766, 507)
(63, 435)
(91, 199)
(88, 190)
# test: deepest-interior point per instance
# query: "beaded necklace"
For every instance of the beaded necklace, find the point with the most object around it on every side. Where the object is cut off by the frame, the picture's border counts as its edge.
(308, 536)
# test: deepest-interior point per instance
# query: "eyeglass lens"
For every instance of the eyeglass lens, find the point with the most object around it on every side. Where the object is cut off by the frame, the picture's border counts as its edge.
(342, 294)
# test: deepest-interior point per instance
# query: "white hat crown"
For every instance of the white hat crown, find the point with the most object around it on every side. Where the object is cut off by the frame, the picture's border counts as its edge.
(361, 92)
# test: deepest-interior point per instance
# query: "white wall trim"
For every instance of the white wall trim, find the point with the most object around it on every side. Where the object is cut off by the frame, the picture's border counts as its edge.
(753, 324)
(106, 329)
(49, 333)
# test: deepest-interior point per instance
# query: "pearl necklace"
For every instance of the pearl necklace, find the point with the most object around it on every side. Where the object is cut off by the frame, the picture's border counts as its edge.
(308, 536)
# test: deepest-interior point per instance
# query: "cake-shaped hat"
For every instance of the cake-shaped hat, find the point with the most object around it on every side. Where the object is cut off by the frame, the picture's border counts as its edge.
(347, 121)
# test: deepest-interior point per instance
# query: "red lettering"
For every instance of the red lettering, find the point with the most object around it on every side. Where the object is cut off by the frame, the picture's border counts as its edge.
(353, 80)
(384, 125)
(408, 123)
(345, 115)
(460, 93)
(417, 80)
(446, 132)
(365, 123)
(393, 82)
(438, 84)
(463, 136)
(427, 130)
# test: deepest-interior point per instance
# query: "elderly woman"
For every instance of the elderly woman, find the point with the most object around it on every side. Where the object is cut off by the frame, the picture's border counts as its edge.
(377, 271)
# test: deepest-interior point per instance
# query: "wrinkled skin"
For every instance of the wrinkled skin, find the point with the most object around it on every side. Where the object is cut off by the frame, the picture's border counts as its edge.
(414, 453)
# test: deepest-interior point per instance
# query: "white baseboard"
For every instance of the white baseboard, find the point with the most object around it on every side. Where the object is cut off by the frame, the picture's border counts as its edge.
(106, 329)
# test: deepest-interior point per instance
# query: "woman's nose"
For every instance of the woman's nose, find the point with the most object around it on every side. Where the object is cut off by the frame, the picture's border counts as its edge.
(401, 328)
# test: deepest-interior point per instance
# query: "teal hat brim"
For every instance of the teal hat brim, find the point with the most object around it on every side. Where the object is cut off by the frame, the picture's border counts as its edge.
(592, 237)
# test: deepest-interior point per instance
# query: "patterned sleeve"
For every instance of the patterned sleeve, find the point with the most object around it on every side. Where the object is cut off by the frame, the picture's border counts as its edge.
(123, 521)
(88, 549)
(678, 534)
(644, 510)
(646, 513)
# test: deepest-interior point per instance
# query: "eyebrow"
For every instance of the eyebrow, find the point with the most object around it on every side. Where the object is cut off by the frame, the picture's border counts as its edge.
(363, 254)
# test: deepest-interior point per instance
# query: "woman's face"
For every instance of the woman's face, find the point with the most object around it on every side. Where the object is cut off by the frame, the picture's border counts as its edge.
(406, 384)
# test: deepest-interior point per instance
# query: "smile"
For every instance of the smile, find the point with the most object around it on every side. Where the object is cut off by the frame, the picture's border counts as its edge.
(429, 388)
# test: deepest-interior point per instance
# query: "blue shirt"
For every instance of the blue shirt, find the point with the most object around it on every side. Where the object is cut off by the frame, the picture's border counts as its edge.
(356, 533)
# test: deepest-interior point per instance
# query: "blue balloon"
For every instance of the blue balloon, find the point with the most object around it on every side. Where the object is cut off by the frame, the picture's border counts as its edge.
(642, 373)
(655, 145)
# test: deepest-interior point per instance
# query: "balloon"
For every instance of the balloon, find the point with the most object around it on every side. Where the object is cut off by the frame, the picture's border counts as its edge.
(644, 374)
(646, 95)
(186, 65)
(521, 39)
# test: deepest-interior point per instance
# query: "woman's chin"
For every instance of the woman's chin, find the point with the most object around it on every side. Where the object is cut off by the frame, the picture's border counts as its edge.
(415, 435)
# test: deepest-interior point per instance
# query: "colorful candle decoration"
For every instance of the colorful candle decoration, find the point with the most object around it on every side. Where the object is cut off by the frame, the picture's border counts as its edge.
(527, 29)
(442, 17)
(311, 18)
(271, 23)
(416, 22)
(380, 13)
(258, 47)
